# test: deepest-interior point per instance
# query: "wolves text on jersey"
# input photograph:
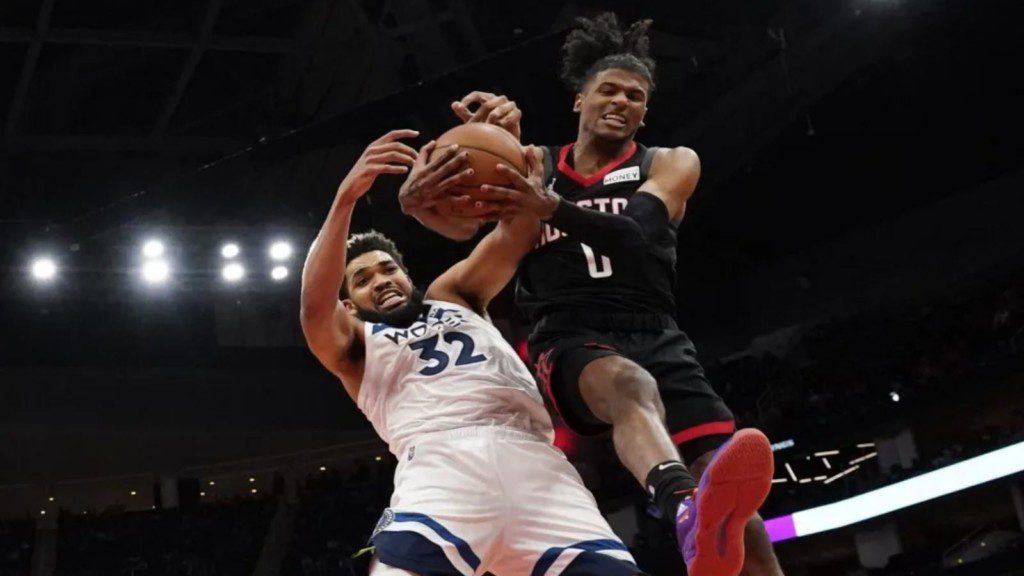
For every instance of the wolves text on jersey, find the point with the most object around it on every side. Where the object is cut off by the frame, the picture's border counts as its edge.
(436, 318)
(613, 205)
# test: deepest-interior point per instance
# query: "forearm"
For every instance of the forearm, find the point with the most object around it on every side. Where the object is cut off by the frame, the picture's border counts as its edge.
(603, 231)
(491, 265)
(324, 270)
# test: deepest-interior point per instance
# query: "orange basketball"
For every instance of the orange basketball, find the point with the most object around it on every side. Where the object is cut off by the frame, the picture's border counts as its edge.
(488, 145)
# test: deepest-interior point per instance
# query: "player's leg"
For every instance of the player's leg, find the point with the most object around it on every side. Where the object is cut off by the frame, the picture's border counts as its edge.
(760, 559)
(595, 388)
(734, 470)
(445, 511)
(554, 526)
(619, 392)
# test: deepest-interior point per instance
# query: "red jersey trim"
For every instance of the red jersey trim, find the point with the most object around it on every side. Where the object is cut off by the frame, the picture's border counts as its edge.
(587, 181)
(709, 429)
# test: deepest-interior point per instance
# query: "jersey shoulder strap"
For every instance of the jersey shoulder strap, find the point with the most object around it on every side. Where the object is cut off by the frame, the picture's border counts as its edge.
(550, 152)
(646, 161)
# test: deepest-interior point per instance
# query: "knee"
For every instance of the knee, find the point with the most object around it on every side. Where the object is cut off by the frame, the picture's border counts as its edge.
(636, 390)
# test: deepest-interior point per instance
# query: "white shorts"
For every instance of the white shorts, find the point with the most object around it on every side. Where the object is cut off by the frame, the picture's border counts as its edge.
(493, 499)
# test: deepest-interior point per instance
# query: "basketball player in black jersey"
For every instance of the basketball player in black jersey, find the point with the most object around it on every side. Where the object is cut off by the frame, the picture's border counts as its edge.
(599, 289)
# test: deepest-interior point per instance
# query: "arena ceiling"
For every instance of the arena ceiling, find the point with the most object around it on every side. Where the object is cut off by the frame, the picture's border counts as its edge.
(107, 107)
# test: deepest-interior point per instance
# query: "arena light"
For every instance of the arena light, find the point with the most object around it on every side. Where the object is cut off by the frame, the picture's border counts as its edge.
(894, 396)
(153, 248)
(323, 468)
(279, 273)
(954, 478)
(51, 498)
(230, 250)
(280, 250)
(783, 445)
(134, 493)
(863, 458)
(156, 271)
(233, 272)
(44, 269)
(792, 474)
(846, 472)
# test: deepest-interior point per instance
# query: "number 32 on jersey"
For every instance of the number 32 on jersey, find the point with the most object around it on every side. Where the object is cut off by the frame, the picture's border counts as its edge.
(439, 359)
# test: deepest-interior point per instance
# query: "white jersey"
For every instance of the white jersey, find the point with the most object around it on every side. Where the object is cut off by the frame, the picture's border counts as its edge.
(450, 369)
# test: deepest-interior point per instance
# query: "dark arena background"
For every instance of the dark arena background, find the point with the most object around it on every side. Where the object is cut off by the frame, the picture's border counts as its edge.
(851, 268)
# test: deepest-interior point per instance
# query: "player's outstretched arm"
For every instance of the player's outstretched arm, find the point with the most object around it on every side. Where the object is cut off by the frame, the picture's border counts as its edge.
(330, 330)
(673, 178)
(476, 280)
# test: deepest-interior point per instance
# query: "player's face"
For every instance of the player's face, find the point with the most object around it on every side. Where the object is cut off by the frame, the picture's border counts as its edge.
(613, 104)
(377, 283)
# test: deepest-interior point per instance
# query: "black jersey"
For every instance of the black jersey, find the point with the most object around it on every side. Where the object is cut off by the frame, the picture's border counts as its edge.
(563, 274)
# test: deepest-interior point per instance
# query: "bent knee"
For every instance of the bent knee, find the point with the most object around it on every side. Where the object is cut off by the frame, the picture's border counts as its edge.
(635, 386)
(620, 386)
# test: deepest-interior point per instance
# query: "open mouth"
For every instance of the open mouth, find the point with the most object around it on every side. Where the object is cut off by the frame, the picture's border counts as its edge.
(616, 120)
(390, 299)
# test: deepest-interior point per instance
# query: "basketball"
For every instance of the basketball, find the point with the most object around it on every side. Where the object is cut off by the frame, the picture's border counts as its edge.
(488, 145)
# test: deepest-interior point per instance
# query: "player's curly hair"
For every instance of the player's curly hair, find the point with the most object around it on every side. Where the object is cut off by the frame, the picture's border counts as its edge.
(599, 44)
(359, 244)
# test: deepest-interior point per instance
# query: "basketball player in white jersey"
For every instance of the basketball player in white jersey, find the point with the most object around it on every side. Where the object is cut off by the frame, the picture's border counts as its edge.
(479, 487)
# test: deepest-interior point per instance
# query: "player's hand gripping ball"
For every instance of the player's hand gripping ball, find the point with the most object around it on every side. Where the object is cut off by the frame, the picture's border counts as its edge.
(485, 146)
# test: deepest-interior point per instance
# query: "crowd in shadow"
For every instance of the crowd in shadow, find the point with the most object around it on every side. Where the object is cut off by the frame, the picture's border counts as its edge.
(861, 369)
(337, 512)
(216, 539)
(16, 541)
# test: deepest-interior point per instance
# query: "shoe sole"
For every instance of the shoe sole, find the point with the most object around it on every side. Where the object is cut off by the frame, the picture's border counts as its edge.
(737, 483)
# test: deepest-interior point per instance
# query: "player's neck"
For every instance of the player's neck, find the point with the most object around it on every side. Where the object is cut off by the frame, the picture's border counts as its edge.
(591, 154)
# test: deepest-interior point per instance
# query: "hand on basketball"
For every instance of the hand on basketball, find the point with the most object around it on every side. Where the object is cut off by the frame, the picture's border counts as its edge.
(492, 109)
(385, 155)
(468, 207)
(527, 194)
(429, 182)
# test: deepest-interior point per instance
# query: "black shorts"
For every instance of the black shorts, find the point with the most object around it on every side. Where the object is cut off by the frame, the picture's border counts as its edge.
(562, 345)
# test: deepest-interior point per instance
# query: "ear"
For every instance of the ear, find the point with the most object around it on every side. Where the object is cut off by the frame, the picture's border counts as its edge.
(578, 103)
(350, 307)
(642, 118)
